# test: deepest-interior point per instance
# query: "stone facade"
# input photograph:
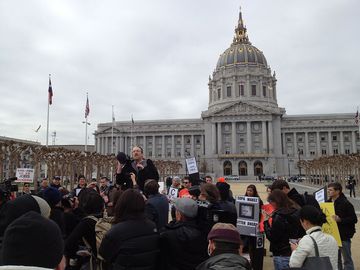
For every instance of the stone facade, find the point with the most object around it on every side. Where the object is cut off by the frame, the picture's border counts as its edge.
(244, 132)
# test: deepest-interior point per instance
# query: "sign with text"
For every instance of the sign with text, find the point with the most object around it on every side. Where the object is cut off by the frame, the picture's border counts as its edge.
(173, 193)
(191, 165)
(321, 195)
(248, 209)
(161, 187)
(331, 226)
(24, 175)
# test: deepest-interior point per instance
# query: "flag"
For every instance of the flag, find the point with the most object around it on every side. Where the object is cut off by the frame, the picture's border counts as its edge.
(357, 117)
(113, 115)
(132, 120)
(50, 92)
(87, 107)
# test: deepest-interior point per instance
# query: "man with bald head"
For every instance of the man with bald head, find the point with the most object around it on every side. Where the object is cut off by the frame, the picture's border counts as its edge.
(145, 168)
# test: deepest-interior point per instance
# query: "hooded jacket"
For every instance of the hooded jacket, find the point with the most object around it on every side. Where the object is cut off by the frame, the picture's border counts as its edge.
(225, 261)
(20, 267)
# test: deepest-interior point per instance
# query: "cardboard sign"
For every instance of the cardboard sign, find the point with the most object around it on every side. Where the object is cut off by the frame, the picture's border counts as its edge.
(24, 175)
(161, 187)
(331, 226)
(191, 165)
(173, 193)
(321, 195)
(248, 215)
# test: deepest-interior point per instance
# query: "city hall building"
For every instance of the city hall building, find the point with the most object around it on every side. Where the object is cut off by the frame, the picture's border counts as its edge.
(243, 133)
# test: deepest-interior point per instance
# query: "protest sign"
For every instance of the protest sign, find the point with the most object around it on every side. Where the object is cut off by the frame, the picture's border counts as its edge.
(191, 165)
(248, 215)
(331, 226)
(24, 175)
(161, 187)
(321, 195)
(173, 193)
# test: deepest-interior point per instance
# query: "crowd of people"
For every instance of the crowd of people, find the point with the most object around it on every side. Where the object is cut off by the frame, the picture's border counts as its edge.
(131, 224)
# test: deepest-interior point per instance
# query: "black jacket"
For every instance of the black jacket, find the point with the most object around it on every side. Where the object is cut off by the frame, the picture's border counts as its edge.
(285, 226)
(157, 210)
(131, 244)
(303, 199)
(149, 172)
(345, 210)
(123, 179)
(182, 246)
(226, 261)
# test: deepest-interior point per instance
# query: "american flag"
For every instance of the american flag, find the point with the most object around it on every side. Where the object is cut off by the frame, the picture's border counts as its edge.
(50, 92)
(357, 117)
(132, 120)
(87, 107)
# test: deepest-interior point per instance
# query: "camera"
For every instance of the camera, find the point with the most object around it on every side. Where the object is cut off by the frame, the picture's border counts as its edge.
(6, 187)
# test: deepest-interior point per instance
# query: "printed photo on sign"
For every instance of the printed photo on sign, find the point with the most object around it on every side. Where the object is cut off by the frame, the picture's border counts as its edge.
(246, 211)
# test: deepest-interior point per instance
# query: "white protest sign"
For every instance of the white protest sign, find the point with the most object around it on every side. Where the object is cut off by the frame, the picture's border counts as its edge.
(248, 209)
(24, 175)
(191, 165)
(173, 193)
(161, 187)
(320, 195)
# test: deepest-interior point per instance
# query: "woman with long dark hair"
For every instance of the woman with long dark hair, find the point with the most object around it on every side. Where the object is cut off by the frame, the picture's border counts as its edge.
(133, 240)
(285, 226)
(311, 220)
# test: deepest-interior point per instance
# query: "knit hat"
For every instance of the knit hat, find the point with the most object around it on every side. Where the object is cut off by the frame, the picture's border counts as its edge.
(32, 240)
(52, 196)
(188, 207)
(221, 179)
(21, 205)
(121, 157)
(223, 188)
(224, 233)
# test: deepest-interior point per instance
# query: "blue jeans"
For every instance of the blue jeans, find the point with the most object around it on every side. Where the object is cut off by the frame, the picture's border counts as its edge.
(346, 255)
(281, 262)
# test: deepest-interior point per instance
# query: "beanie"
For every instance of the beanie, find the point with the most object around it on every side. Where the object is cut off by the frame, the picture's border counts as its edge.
(43, 205)
(52, 196)
(32, 240)
(225, 235)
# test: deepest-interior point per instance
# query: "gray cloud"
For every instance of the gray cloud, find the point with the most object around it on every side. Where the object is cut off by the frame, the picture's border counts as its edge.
(152, 59)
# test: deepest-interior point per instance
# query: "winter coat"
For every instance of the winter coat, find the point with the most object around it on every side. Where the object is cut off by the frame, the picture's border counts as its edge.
(225, 261)
(21, 267)
(182, 246)
(148, 172)
(345, 210)
(157, 210)
(327, 246)
(131, 244)
(123, 179)
(303, 199)
(285, 225)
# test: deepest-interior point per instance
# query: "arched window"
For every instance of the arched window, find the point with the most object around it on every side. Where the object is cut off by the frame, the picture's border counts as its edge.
(227, 168)
(243, 168)
(258, 168)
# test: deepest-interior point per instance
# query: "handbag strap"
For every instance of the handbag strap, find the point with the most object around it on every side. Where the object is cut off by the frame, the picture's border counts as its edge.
(316, 247)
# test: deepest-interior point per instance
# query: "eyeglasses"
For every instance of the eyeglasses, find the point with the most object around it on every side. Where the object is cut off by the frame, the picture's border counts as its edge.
(185, 183)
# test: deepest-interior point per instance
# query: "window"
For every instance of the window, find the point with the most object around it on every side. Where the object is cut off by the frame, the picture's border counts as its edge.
(334, 137)
(178, 154)
(346, 138)
(219, 93)
(242, 90)
(335, 151)
(228, 91)
(288, 139)
(264, 91)
(347, 151)
(300, 139)
(253, 90)
(323, 151)
(322, 138)
(301, 151)
(312, 153)
(150, 153)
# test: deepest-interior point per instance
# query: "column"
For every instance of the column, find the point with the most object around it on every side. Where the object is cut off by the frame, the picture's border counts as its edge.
(213, 138)
(97, 144)
(173, 146)
(163, 147)
(117, 145)
(122, 143)
(264, 141)
(233, 137)
(330, 143)
(219, 139)
(318, 148)
(248, 137)
(106, 146)
(306, 150)
(153, 146)
(125, 145)
(341, 150)
(202, 145)
(353, 141)
(295, 145)
(182, 146)
(144, 146)
(271, 139)
(192, 151)
(284, 148)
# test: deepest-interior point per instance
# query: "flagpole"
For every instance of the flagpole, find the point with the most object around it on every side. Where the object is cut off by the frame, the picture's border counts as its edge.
(358, 124)
(131, 132)
(47, 121)
(112, 131)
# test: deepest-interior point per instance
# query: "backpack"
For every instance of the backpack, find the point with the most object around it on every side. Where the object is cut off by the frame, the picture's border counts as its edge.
(310, 200)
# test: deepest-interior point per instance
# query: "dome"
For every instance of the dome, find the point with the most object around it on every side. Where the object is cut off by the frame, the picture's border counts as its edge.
(241, 53)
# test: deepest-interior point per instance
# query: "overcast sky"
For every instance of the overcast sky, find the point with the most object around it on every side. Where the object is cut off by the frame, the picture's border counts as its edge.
(153, 58)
